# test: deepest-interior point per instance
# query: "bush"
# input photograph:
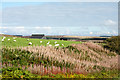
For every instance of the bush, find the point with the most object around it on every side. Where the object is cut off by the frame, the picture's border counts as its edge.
(113, 44)
(13, 72)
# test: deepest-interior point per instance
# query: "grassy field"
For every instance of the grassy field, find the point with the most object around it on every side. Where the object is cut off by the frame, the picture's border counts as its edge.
(35, 42)
(69, 60)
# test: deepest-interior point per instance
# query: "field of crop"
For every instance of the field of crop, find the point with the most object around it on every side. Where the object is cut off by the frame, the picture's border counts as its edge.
(39, 58)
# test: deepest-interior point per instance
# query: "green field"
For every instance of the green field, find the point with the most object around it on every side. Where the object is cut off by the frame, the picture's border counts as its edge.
(35, 42)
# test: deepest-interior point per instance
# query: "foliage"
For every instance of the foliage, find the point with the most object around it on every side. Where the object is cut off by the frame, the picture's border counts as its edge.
(71, 48)
(55, 61)
(104, 74)
(113, 44)
(22, 57)
(13, 72)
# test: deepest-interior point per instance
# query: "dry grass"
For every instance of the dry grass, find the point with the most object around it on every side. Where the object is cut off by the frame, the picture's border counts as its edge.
(90, 56)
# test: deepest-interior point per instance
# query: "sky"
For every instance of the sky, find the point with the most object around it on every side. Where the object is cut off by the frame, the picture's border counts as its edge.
(59, 18)
(60, 0)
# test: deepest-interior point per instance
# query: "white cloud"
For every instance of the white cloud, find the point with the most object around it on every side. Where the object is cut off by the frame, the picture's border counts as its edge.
(47, 27)
(56, 31)
(20, 27)
(37, 27)
(5, 31)
(13, 30)
(25, 30)
(110, 23)
(108, 32)
(1, 33)
(91, 32)
(60, 14)
(3, 27)
(41, 28)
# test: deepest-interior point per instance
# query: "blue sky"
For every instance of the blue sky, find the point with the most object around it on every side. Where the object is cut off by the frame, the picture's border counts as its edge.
(60, 18)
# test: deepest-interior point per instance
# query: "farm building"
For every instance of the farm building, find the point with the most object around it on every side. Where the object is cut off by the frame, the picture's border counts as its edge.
(18, 35)
(39, 36)
(67, 38)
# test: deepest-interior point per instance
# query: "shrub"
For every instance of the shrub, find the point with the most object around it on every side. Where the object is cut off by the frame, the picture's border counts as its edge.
(13, 72)
(113, 44)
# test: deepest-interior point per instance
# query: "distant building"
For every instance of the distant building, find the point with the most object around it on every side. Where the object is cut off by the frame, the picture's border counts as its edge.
(105, 36)
(68, 38)
(18, 35)
(39, 36)
(62, 38)
(44, 37)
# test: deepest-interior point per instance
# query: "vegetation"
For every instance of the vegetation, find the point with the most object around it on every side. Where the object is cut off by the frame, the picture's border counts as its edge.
(20, 57)
(35, 42)
(13, 72)
(113, 44)
(39, 60)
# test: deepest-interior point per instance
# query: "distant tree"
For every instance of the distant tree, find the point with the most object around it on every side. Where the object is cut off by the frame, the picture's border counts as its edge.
(113, 44)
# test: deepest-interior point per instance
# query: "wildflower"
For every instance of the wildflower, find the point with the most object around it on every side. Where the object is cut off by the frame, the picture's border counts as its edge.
(40, 41)
(62, 44)
(21, 76)
(8, 39)
(52, 76)
(72, 76)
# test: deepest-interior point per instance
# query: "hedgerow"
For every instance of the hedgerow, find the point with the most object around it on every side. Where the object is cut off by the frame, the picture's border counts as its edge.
(113, 44)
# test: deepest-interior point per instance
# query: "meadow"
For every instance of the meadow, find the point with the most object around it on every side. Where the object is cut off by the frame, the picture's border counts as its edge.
(35, 42)
(40, 58)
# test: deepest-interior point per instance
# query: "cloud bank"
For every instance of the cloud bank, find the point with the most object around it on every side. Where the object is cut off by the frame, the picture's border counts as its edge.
(74, 18)
(26, 31)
